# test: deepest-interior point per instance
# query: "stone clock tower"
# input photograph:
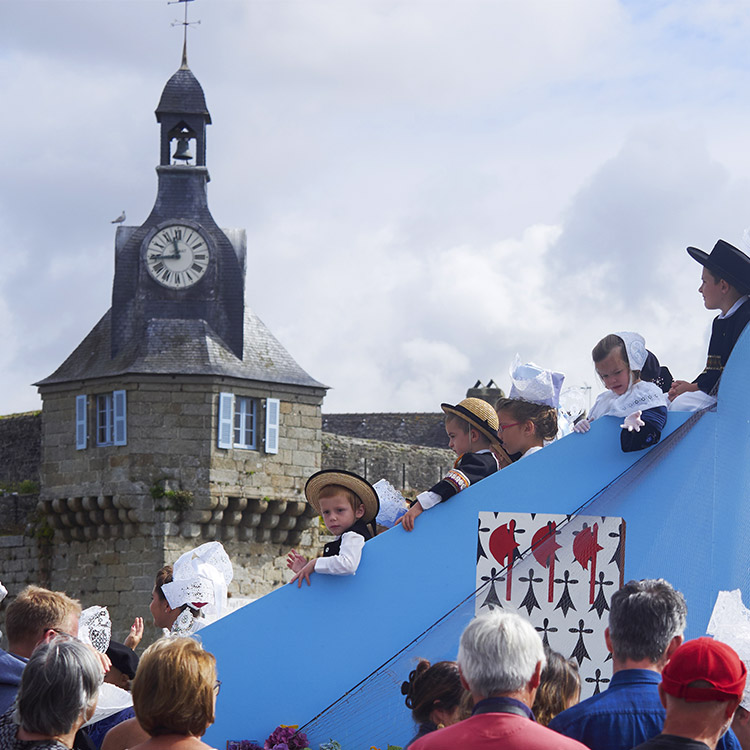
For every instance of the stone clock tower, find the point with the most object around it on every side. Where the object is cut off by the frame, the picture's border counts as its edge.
(179, 418)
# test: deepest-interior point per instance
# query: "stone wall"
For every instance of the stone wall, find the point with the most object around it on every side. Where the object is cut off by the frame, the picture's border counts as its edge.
(414, 428)
(171, 478)
(410, 468)
(20, 448)
(119, 573)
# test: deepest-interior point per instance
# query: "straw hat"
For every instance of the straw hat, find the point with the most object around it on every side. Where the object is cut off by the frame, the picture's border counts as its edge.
(360, 487)
(478, 414)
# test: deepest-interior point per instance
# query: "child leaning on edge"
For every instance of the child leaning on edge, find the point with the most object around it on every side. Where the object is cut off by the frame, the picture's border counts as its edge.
(618, 359)
(472, 433)
(347, 504)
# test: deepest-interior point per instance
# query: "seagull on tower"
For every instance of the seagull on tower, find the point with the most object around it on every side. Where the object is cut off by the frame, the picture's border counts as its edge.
(119, 219)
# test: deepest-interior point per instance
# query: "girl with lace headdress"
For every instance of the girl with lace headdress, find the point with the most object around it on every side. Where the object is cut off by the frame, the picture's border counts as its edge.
(528, 417)
(192, 593)
(618, 359)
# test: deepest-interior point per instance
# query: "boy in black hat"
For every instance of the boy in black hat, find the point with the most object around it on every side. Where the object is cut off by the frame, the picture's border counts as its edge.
(472, 427)
(725, 284)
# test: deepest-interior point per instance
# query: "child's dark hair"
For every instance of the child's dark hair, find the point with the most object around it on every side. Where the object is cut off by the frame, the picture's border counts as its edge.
(335, 489)
(543, 417)
(559, 687)
(607, 345)
(432, 686)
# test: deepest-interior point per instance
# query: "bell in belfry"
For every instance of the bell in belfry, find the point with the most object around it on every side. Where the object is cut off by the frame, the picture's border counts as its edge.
(182, 151)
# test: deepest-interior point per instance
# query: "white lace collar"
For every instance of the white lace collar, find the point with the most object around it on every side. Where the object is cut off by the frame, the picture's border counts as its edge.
(638, 397)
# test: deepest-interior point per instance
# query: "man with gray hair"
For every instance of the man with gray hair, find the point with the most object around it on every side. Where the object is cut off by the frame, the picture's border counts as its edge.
(646, 626)
(500, 660)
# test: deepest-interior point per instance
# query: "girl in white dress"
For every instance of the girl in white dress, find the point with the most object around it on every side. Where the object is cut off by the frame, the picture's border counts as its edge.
(618, 359)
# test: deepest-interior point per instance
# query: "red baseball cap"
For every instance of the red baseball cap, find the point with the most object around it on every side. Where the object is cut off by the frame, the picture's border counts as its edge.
(709, 661)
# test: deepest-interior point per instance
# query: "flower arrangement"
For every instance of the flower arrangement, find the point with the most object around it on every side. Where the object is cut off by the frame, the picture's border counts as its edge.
(284, 737)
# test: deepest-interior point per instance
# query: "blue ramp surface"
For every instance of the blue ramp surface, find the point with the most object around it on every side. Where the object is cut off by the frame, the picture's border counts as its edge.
(332, 656)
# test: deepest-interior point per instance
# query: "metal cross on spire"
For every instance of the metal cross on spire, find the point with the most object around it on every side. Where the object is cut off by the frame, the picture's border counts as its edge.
(184, 23)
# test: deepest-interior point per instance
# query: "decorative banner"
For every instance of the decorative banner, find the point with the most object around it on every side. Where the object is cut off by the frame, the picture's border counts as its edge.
(559, 572)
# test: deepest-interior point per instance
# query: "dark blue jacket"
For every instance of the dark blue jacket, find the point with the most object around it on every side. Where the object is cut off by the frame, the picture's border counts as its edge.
(626, 714)
(11, 669)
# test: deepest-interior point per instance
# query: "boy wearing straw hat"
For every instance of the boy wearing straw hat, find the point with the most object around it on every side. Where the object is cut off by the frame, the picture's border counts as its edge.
(725, 284)
(347, 504)
(472, 427)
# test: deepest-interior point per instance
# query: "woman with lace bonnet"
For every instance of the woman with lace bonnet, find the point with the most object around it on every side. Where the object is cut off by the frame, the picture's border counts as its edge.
(58, 694)
(174, 694)
(193, 593)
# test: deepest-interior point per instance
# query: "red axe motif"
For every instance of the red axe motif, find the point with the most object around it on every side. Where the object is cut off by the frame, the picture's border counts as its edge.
(585, 550)
(503, 547)
(544, 546)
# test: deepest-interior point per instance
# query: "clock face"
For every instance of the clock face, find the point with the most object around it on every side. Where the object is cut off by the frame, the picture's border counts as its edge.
(177, 256)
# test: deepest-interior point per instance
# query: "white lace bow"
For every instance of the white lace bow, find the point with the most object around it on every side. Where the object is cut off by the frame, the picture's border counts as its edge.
(200, 579)
(535, 384)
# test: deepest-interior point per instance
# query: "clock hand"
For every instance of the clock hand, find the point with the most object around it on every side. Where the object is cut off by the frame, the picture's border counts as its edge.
(176, 248)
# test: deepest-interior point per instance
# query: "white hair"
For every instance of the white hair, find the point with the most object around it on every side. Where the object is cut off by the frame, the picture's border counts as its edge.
(499, 653)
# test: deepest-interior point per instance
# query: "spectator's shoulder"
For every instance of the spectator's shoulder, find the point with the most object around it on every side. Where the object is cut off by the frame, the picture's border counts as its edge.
(577, 714)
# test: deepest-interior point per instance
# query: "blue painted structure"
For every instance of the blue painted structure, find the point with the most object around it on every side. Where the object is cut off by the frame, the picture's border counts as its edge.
(290, 655)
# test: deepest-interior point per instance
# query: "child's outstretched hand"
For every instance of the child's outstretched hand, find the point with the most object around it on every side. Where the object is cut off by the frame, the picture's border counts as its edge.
(407, 520)
(633, 422)
(136, 633)
(304, 573)
(295, 561)
(582, 425)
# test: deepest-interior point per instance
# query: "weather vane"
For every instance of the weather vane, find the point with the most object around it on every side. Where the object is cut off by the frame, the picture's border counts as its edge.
(184, 23)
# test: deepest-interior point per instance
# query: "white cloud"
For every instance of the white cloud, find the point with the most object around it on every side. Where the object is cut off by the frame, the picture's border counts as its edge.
(428, 187)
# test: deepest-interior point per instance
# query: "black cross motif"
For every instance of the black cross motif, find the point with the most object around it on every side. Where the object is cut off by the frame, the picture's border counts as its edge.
(617, 556)
(579, 652)
(566, 602)
(600, 603)
(480, 550)
(598, 679)
(530, 601)
(492, 600)
(546, 628)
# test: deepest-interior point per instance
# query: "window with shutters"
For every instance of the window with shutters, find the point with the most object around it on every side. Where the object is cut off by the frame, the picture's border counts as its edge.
(110, 418)
(245, 412)
(241, 419)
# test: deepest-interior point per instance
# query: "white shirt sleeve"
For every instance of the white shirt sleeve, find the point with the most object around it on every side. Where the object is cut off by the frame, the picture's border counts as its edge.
(428, 499)
(347, 560)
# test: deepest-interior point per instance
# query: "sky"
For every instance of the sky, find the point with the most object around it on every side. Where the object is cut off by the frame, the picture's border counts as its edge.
(429, 187)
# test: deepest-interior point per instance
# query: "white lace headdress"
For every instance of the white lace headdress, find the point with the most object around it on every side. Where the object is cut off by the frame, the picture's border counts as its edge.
(95, 628)
(200, 579)
(730, 624)
(535, 384)
(635, 347)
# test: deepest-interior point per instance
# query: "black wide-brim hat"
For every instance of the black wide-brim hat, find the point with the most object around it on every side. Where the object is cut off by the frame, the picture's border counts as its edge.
(479, 414)
(726, 262)
(123, 658)
(359, 486)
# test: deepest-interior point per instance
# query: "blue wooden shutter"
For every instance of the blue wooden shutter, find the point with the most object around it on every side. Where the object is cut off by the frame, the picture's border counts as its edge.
(81, 422)
(272, 425)
(121, 421)
(225, 420)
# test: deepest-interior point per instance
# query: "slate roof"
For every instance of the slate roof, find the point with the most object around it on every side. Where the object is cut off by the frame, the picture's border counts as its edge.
(412, 428)
(183, 95)
(171, 346)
